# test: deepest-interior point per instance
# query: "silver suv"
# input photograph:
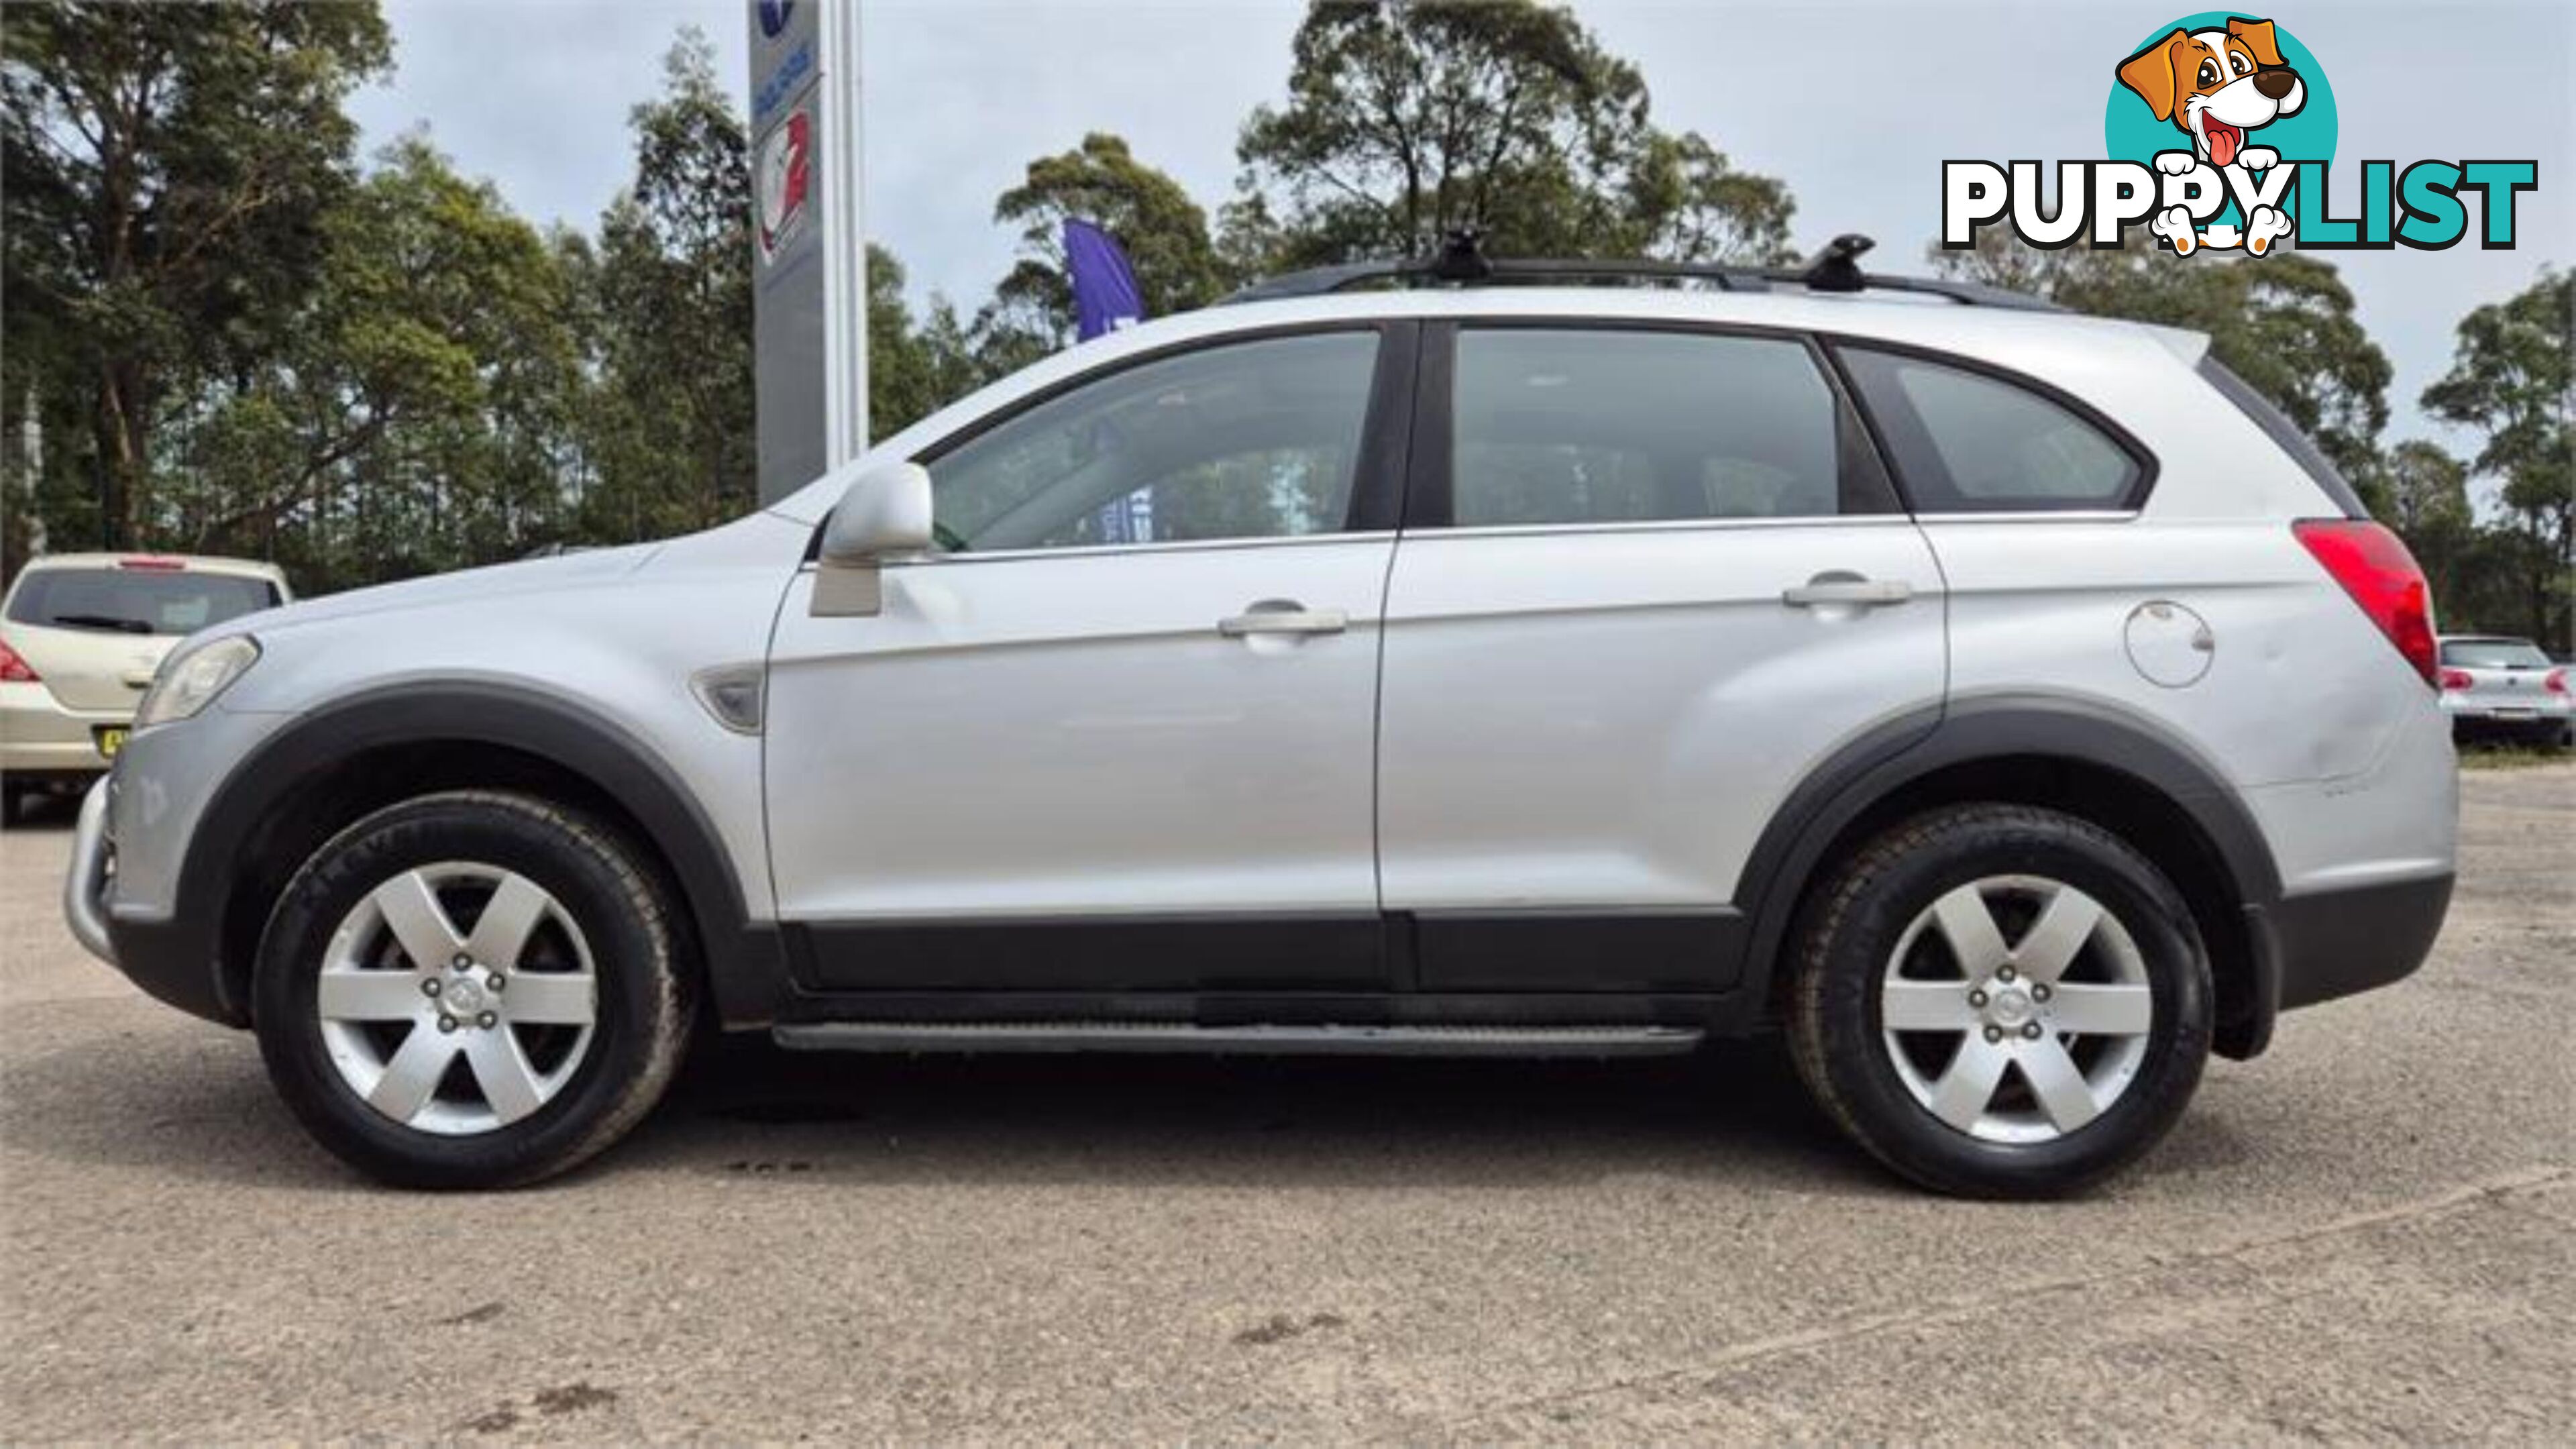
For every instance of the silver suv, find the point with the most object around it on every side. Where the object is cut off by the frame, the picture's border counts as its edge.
(2007, 705)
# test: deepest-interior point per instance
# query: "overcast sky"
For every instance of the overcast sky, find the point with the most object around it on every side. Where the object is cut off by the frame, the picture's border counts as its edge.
(1854, 104)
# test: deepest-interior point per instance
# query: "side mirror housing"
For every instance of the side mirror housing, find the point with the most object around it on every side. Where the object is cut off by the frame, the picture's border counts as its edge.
(885, 513)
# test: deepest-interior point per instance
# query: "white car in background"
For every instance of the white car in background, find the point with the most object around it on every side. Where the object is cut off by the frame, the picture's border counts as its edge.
(2498, 687)
(80, 637)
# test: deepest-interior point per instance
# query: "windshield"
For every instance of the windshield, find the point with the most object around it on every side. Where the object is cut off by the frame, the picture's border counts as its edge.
(2494, 654)
(135, 601)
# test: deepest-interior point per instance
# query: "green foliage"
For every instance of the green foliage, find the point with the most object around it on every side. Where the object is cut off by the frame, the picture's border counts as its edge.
(1163, 232)
(1407, 119)
(413, 415)
(670, 437)
(2514, 380)
(166, 168)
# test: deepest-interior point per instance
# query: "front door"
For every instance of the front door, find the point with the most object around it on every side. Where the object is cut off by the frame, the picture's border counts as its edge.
(1666, 578)
(1118, 734)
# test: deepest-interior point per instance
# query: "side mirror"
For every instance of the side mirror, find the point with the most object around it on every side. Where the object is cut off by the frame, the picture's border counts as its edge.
(885, 513)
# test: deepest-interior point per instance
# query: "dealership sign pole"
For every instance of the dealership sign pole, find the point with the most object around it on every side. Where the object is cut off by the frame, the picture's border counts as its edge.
(809, 266)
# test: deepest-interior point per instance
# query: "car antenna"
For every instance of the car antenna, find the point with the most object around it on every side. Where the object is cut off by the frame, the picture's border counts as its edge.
(1837, 268)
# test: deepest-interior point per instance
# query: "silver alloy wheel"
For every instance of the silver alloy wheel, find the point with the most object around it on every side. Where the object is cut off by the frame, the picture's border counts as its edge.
(2016, 1008)
(458, 960)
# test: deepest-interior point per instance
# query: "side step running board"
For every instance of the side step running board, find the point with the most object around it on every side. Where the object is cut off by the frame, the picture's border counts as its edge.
(1291, 1041)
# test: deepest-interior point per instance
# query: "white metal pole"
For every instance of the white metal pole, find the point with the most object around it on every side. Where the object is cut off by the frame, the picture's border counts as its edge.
(844, 197)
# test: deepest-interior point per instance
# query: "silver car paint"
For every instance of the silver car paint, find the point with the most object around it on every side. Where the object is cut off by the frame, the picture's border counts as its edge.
(618, 632)
(1573, 717)
(893, 786)
(1068, 732)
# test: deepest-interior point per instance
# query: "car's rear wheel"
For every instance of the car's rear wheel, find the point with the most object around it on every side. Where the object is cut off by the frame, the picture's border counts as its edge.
(473, 989)
(2000, 1001)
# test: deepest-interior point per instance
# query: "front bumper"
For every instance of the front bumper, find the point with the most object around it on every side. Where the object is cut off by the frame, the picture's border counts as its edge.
(171, 963)
(85, 884)
(122, 896)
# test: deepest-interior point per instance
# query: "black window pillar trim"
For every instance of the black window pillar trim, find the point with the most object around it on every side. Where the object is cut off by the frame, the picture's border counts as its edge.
(1430, 478)
(1381, 473)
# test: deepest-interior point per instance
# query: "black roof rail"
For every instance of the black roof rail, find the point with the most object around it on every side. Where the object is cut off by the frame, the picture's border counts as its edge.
(1462, 262)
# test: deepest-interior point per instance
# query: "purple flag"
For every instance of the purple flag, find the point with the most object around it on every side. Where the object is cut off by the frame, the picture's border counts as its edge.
(1104, 300)
(1104, 287)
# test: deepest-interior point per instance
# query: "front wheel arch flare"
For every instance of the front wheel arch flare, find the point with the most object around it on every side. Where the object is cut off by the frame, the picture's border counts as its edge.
(224, 881)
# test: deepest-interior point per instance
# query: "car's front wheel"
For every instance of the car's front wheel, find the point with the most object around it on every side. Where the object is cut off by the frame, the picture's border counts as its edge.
(471, 989)
(1998, 1000)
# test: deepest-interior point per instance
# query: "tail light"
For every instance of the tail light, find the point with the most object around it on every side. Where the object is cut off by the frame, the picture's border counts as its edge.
(2556, 683)
(154, 564)
(2373, 566)
(14, 670)
(2456, 679)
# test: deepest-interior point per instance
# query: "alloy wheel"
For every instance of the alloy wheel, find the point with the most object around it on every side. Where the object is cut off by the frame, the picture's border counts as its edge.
(2016, 1009)
(457, 998)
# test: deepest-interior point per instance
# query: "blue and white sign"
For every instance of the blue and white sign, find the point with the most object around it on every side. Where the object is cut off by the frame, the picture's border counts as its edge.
(809, 326)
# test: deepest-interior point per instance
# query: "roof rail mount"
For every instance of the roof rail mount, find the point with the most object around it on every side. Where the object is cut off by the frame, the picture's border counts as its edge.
(1837, 268)
(1462, 256)
(1462, 262)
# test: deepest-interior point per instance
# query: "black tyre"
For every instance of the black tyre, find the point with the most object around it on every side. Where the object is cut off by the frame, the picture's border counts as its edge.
(471, 990)
(2000, 1001)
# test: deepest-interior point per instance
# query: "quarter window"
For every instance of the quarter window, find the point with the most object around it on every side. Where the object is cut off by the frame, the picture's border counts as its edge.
(1556, 426)
(1252, 439)
(1967, 442)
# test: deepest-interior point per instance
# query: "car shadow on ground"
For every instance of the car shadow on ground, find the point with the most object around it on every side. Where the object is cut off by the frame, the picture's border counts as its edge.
(46, 813)
(745, 1108)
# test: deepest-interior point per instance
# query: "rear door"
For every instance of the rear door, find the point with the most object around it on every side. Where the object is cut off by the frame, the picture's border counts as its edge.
(1649, 579)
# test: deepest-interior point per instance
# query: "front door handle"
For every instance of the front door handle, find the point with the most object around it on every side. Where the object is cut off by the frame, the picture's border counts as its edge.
(1847, 591)
(1282, 616)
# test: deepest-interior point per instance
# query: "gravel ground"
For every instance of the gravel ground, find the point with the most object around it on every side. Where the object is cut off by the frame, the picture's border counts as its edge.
(2368, 1234)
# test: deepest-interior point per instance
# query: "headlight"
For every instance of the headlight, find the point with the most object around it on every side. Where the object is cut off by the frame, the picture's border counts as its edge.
(190, 682)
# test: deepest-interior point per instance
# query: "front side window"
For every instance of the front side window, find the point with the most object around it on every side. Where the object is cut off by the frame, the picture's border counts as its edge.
(1967, 442)
(135, 600)
(1256, 439)
(1556, 426)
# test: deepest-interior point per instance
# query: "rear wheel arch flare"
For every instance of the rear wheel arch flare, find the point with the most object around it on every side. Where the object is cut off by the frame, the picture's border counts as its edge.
(2094, 760)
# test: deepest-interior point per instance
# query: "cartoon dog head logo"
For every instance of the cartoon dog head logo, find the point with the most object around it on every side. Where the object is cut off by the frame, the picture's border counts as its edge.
(2201, 102)
(2217, 85)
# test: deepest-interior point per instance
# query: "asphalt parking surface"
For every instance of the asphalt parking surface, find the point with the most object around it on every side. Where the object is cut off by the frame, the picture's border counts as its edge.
(2369, 1233)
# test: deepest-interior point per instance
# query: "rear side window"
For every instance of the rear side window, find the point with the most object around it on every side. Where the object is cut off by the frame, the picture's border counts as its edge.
(2277, 426)
(135, 601)
(1968, 442)
(1569, 425)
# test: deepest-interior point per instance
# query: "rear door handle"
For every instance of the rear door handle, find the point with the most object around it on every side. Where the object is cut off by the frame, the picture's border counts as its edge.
(1847, 591)
(1283, 616)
